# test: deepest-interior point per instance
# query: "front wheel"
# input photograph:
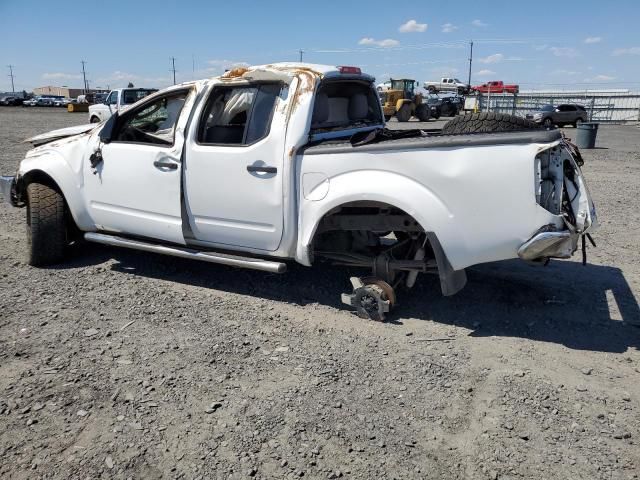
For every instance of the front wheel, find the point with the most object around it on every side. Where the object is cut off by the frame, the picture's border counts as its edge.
(46, 225)
(404, 114)
(548, 123)
(577, 122)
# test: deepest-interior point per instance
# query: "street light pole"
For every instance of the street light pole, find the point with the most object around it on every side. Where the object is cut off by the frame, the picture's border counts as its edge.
(84, 77)
(470, 60)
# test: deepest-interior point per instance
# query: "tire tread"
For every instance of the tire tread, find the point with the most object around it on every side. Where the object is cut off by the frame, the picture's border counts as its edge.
(487, 122)
(46, 227)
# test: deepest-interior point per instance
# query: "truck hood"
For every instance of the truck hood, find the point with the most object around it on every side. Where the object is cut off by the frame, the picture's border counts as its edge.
(58, 134)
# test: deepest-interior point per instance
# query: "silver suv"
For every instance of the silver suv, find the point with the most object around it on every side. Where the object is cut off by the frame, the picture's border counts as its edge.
(566, 114)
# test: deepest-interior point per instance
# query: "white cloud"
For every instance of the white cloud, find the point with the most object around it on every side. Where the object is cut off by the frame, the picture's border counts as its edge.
(495, 58)
(449, 28)
(61, 76)
(593, 40)
(479, 23)
(485, 72)
(626, 51)
(562, 71)
(601, 78)
(387, 42)
(565, 52)
(540, 48)
(412, 26)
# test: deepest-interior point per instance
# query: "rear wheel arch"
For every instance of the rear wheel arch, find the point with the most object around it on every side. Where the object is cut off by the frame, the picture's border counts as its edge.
(451, 281)
(395, 190)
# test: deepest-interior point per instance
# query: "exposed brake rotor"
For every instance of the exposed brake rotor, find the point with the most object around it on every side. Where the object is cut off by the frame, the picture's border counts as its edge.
(371, 297)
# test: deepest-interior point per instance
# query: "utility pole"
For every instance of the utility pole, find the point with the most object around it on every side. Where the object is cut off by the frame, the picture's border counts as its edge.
(13, 89)
(470, 60)
(84, 77)
(301, 52)
(173, 68)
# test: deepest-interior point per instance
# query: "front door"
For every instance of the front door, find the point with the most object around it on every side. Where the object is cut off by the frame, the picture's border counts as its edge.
(136, 188)
(234, 167)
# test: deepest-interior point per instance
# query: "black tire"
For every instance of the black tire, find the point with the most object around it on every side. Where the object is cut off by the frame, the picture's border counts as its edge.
(431, 89)
(94, 120)
(487, 123)
(404, 114)
(577, 122)
(547, 122)
(423, 112)
(46, 225)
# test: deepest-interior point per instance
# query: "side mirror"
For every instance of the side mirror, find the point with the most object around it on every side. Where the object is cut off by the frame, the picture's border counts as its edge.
(107, 129)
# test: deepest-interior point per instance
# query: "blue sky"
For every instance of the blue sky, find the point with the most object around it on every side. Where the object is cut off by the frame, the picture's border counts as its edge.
(568, 44)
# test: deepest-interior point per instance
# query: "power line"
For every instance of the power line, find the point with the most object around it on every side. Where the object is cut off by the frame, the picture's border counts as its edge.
(13, 89)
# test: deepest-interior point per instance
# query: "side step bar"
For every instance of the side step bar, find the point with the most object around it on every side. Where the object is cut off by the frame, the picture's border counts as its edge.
(183, 252)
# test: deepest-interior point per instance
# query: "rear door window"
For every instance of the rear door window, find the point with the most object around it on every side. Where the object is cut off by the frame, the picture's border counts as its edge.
(238, 115)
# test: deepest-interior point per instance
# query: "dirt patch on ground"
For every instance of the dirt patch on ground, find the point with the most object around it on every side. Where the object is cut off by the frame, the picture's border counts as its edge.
(122, 364)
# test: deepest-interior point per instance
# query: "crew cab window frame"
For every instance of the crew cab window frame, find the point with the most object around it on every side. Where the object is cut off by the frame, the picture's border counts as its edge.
(214, 92)
(150, 99)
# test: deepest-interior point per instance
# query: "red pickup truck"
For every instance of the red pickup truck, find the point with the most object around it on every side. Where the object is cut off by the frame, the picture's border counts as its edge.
(496, 87)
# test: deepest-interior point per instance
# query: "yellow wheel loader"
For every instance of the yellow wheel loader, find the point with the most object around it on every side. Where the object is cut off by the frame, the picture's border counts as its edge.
(401, 101)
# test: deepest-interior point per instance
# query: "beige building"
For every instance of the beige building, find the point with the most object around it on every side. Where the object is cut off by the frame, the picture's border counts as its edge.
(63, 91)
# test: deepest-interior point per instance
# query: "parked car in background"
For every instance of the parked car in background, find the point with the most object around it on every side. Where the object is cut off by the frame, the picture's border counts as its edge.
(447, 106)
(11, 101)
(447, 84)
(38, 102)
(496, 86)
(565, 114)
(61, 102)
(117, 101)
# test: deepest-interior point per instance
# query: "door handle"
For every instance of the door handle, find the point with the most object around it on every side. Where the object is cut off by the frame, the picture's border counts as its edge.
(165, 164)
(261, 169)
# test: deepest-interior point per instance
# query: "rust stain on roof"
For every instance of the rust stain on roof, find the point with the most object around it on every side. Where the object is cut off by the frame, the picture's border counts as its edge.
(235, 72)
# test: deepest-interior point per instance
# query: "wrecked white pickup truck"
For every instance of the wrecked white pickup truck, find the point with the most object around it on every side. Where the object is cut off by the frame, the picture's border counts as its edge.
(291, 162)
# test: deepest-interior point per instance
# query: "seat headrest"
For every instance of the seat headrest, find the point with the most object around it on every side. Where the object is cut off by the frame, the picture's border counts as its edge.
(358, 107)
(320, 109)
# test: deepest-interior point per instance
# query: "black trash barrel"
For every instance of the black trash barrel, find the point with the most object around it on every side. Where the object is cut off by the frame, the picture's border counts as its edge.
(586, 135)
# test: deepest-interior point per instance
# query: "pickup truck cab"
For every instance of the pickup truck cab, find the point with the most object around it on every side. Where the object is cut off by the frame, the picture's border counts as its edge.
(447, 84)
(117, 100)
(496, 86)
(291, 162)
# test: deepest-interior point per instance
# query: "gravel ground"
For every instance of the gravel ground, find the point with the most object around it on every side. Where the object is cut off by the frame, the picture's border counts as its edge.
(122, 364)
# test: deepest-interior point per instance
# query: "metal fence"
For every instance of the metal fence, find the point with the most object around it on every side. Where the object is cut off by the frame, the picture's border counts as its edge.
(603, 107)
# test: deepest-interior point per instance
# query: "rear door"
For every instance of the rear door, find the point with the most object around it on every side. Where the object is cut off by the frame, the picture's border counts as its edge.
(233, 178)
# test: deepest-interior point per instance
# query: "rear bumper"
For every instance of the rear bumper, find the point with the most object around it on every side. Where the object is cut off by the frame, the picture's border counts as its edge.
(8, 190)
(549, 245)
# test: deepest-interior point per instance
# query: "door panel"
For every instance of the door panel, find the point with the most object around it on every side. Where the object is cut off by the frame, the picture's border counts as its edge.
(233, 191)
(136, 188)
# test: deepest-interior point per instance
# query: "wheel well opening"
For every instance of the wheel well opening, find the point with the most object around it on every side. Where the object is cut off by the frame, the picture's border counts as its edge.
(38, 176)
(365, 228)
